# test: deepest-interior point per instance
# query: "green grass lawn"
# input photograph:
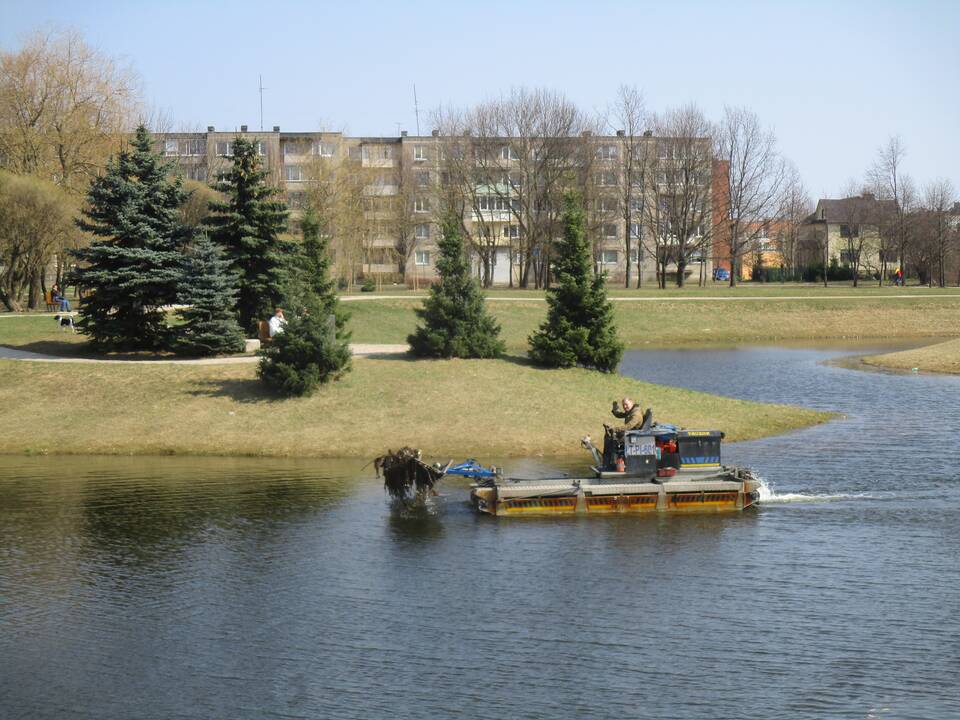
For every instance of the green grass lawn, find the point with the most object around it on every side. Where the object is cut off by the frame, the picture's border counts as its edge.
(448, 408)
(682, 323)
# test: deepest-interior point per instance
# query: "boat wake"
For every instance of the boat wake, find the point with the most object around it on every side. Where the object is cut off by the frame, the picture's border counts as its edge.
(769, 496)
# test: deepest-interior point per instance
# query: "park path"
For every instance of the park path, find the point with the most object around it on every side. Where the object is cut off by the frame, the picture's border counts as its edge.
(673, 298)
(357, 349)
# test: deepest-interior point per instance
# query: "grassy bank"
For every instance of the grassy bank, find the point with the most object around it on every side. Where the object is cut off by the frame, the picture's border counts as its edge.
(448, 408)
(672, 323)
(939, 358)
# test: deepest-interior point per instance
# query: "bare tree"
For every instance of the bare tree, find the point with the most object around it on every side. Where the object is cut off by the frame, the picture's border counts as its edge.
(889, 182)
(680, 211)
(938, 237)
(527, 150)
(629, 119)
(465, 190)
(795, 207)
(63, 108)
(36, 223)
(757, 177)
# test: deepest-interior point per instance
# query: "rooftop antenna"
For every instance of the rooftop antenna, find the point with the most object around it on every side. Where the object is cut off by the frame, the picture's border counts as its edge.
(416, 109)
(262, 88)
(398, 129)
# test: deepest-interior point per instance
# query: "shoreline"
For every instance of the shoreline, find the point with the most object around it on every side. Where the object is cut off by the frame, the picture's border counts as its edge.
(482, 408)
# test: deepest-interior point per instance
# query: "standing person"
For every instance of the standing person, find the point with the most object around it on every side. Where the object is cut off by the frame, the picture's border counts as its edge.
(277, 322)
(898, 278)
(56, 294)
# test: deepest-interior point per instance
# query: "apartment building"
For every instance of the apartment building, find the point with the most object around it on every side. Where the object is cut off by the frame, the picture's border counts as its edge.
(397, 184)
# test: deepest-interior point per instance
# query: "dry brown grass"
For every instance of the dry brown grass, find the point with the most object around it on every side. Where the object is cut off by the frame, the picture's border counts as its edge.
(940, 358)
(448, 408)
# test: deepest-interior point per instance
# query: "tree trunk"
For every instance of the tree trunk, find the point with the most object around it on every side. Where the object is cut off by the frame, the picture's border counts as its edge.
(34, 294)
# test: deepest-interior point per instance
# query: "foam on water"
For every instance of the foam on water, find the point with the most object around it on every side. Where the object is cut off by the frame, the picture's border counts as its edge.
(769, 496)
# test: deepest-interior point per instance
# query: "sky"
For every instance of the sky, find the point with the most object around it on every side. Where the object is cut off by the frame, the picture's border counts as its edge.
(834, 80)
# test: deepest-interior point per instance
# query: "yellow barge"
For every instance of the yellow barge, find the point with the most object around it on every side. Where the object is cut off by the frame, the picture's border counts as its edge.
(648, 470)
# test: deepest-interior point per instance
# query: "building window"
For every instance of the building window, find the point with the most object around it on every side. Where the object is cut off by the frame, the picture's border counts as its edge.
(422, 231)
(609, 205)
(324, 149)
(606, 179)
(421, 205)
(261, 148)
(423, 179)
(635, 255)
(296, 200)
(635, 230)
(355, 153)
(292, 148)
(511, 232)
(193, 147)
(606, 152)
(292, 173)
(419, 153)
(849, 231)
(422, 257)
(608, 257)
(507, 153)
(224, 149)
(610, 231)
(223, 176)
(635, 205)
(197, 172)
(171, 147)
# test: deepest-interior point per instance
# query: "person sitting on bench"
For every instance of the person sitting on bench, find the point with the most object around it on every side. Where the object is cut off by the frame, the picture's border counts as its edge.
(56, 294)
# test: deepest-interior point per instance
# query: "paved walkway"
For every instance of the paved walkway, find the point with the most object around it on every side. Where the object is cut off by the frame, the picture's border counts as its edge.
(674, 298)
(358, 350)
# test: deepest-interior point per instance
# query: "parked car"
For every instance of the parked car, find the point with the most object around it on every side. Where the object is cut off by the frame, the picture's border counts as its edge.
(721, 274)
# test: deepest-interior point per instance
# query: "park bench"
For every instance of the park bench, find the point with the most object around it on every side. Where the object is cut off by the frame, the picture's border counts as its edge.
(52, 305)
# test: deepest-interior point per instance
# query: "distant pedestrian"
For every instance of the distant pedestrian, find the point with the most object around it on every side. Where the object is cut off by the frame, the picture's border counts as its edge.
(898, 277)
(277, 322)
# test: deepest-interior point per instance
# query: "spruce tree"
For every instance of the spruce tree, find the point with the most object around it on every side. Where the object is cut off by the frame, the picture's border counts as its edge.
(247, 225)
(579, 328)
(313, 348)
(455, 320)
(134, 265)
(209, 290)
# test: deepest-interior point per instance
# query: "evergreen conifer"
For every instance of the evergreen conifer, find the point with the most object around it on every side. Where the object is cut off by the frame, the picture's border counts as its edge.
(455, 320)
(247, 225)
(313, 348)
(579, 328)
(209, 290)
(134, 265)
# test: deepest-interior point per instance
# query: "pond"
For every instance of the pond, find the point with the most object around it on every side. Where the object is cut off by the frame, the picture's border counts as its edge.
(240, 588)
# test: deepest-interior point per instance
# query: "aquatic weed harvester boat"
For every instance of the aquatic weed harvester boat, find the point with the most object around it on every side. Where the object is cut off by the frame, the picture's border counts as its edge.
(656, 468)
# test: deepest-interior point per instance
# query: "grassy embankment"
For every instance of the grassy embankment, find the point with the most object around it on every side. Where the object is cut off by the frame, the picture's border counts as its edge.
(448, 408)
(686, 323)
(939, 358)
(499, 408)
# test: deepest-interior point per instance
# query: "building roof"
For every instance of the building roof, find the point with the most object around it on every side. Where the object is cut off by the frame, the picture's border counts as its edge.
(860, 209)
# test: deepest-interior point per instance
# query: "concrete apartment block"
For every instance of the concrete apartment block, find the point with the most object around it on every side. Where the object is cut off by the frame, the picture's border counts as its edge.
(403, 179)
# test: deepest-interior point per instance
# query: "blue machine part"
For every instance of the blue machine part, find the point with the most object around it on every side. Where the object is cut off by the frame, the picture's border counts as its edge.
(471, 469)
(664, 429)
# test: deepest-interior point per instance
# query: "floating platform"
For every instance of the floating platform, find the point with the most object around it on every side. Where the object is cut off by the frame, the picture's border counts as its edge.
(728, 489)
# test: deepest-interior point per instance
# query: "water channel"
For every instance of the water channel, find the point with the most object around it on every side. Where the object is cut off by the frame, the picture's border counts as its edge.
(212, 588)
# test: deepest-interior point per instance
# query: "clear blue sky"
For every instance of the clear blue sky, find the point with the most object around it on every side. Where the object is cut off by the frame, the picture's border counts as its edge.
(834, 79)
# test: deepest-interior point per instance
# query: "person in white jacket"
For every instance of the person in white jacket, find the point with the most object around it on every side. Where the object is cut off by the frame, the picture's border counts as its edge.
(277, 322)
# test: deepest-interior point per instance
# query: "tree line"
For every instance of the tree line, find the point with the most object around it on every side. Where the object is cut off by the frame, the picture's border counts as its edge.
(667, 189)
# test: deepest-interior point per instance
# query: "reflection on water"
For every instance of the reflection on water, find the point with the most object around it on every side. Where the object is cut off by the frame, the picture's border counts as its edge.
(165, 587)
